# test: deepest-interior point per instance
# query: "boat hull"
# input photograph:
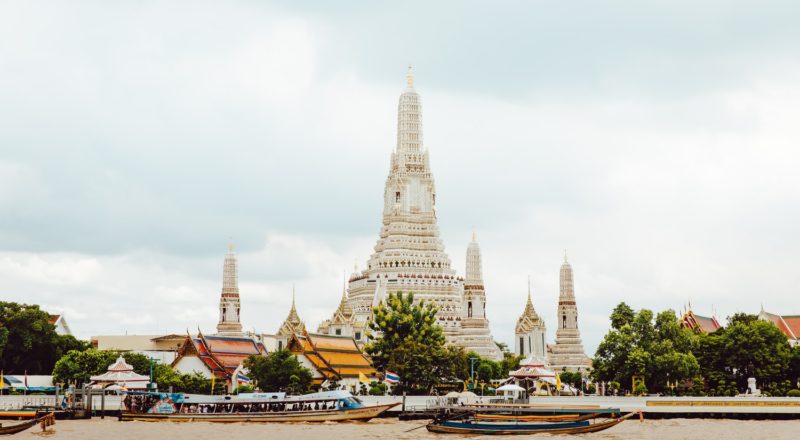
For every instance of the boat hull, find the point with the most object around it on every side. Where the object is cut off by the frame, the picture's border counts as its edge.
(500, 429)
(356, 414)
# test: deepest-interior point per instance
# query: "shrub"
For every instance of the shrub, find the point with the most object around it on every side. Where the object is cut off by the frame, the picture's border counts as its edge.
(793, 393)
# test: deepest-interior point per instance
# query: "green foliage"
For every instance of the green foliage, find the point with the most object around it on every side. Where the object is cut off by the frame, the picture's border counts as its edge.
(621, 315)
(279, 371)
(573, 379)
(244, 389)
(747, 347)
(793, 393)
(410, 343)
(654, 349)
(76, 367)
(377, 389)
(28, 342)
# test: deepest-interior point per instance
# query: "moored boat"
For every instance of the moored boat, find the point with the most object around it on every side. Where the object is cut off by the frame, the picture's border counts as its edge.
(472, 425)
(46, 419)
(248, 407)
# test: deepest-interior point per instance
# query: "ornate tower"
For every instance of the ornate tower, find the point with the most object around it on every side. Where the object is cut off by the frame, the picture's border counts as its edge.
(529, 335)
(229, 306)
(291, 325)
(567, 353)
(409, 256)
(475, 334)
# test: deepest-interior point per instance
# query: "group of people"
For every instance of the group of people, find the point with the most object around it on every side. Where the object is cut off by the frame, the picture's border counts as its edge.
(204, 408)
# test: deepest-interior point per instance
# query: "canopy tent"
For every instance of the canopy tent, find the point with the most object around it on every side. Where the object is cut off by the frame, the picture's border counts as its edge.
(510, 387)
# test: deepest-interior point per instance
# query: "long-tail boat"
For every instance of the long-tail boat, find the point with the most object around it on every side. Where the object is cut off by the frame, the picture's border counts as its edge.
(49, 419)
(248, 407)
(468, 423)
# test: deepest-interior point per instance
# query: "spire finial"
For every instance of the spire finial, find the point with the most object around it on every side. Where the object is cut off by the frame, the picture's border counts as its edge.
(529, 288)
(293, 295)
(474, 235)
(410, 76)
(565, 256)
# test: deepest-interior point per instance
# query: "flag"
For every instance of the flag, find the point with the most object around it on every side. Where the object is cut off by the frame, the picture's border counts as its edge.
(213, 381)
(26, 379)
(241, 378)
(558, 383)
(363, 379)
(2, 381)
(391, 377)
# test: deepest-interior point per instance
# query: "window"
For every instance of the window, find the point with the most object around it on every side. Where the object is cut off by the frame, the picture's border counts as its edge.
(521, 346)
(469, 309)
(563, 321)
(280, 345)
(397, 197)
(358, 336)
(338, 332)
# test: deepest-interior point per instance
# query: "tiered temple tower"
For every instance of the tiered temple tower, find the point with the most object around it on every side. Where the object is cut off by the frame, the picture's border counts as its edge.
(567, 353)
(529, 335)
(409, 255)
(229, 305)
(475, 334)
(291, 325)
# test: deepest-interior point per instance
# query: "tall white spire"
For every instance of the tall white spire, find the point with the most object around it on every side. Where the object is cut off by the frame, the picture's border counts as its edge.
(474, 263)
(568, 350)
(409, 118)
(229, 302)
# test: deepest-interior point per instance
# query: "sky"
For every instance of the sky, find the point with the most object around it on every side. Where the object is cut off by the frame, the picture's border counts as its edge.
(656, 142)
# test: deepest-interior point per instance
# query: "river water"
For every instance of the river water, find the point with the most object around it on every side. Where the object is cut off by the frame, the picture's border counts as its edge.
(111, 429)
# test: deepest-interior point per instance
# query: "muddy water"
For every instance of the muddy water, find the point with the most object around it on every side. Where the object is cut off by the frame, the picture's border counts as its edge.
(111, 429)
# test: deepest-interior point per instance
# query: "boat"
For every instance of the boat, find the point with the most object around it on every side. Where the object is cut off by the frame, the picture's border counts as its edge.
(471, 425)
(248, 407)
(18, 414)
(19, 427)
(539, 418)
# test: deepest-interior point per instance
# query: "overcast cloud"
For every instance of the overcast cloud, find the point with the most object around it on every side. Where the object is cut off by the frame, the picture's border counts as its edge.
(656, 141)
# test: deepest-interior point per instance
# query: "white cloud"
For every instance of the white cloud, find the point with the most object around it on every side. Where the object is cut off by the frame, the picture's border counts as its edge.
(138, 140)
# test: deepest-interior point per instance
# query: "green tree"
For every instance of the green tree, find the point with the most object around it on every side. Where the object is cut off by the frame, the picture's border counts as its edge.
(279, 371)
(410, 342)
(747, 347)
(621, 315)
(29, 342)
(654, 349)
(76, 367)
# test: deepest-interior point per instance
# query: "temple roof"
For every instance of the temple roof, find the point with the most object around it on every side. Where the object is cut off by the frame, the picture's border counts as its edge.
(221, 354)
(699, 323)
(293, 324)
(332, 356)
(529, 318)
(789, 325)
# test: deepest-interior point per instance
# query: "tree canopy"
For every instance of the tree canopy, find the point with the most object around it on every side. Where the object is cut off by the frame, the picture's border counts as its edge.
(279, 371)
(653, 350)
(76, 367)
(410, 342)
(747, 347)
(28, 342)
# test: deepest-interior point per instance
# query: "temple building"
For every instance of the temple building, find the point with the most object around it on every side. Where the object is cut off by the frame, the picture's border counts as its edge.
(567, 353)
(409, 255)
(788, 324)
(217, 355)
(229, 306)
(699, 324)
(292, 325)
(529, 334)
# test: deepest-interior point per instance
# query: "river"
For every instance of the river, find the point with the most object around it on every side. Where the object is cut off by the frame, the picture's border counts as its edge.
(672, 429)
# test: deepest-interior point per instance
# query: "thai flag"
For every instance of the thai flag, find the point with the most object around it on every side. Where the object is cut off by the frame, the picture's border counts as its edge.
(391, 378)
(242, 378)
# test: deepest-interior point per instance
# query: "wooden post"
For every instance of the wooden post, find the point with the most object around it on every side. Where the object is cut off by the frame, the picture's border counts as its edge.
(404, 402)
(102, 404)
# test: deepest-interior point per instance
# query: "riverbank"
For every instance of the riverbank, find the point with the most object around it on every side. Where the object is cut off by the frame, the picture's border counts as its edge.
(674, 429)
